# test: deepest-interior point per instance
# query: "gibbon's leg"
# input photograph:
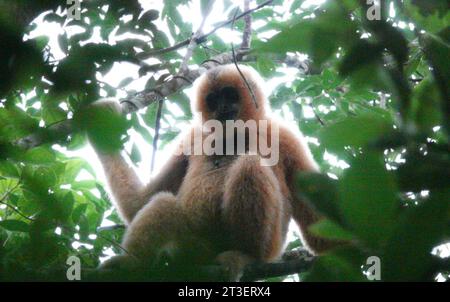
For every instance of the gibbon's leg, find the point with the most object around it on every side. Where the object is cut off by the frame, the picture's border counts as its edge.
(252, 209)
(159, 225)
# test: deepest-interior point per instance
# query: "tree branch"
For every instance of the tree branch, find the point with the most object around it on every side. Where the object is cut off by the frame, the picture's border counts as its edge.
(146, 55)
(195, 39)
(253, 272)
(247, 35)
(60, 131)
(156, 137)
(132, 103)
(239, 70)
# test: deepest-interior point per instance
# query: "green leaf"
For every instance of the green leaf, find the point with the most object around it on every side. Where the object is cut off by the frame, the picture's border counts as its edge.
(125, 82)
(426, 105)
(83, 222)
(321, 192)
(135, 154)
(105, 127)
(319, 37)
(392, 39)
(354, 131)
(419, 229)
(73, 168)
(52, 114)
(149, 16)
(8, 169)
(78, 211)
(368, 198)
(40, 155)
(14, 225)
(361, 54)
(343, 264)
(328, 229)
(424, 171)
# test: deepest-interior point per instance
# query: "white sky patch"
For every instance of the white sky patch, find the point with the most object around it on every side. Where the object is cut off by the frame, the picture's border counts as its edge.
(335, 161)
(309, 3)
(108, 252)
(308, 112)
(76, 245)
(58, 231)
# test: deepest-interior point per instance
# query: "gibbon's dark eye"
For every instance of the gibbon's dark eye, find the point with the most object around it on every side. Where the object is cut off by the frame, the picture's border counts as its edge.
(230, 94)
(212, 101)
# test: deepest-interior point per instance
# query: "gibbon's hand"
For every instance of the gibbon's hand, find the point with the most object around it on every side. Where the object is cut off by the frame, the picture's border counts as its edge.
(102, 117)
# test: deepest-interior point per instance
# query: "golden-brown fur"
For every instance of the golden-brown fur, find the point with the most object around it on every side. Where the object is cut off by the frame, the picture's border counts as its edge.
(238, 209)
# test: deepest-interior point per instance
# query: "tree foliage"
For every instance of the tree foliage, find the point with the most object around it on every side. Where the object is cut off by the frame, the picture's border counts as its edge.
(374, 107)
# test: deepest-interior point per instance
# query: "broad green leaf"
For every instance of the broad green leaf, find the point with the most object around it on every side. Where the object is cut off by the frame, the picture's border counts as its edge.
(78, 211)
(8, 169)
(317, 37)
(361, 54)
(14, 225)
(39, 156)
(135, 154)
(426, 106)
(354, 131)
(328, 229)
(368, 199)
(343, 264)
(320, 191)
(418, 230)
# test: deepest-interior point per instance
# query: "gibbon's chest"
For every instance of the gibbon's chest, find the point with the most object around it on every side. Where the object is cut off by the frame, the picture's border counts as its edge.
(203, 186)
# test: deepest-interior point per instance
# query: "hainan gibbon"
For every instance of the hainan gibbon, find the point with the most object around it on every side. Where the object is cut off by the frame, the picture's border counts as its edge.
(231, 208)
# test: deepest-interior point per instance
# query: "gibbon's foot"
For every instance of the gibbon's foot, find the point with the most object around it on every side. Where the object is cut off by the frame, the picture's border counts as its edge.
(121, 263)
(233, 263)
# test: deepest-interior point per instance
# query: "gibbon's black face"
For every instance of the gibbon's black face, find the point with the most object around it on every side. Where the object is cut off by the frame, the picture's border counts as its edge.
(224, 103)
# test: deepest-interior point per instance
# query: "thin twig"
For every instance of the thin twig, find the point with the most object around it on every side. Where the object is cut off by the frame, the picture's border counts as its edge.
(186, 42)
(17, 211)
(113, 243)
(183, 68)
(111, 227)
(13, 208)
(155, 138)
(317, 115)
(246, 38)
(194, 39)
(134, 102)
(237, 66)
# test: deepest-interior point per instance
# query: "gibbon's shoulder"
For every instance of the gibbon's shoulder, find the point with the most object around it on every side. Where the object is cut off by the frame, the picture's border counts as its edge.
(294, 148)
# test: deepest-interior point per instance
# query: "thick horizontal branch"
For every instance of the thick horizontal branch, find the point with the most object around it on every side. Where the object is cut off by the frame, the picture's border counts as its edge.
(132, 103)
(301, 262)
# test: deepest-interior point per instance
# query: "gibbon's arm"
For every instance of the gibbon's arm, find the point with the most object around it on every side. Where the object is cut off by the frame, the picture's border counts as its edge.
(128, 191)
(297, 157)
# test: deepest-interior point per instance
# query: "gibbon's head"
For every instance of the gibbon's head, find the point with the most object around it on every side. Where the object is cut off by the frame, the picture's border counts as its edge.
(222, 94)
